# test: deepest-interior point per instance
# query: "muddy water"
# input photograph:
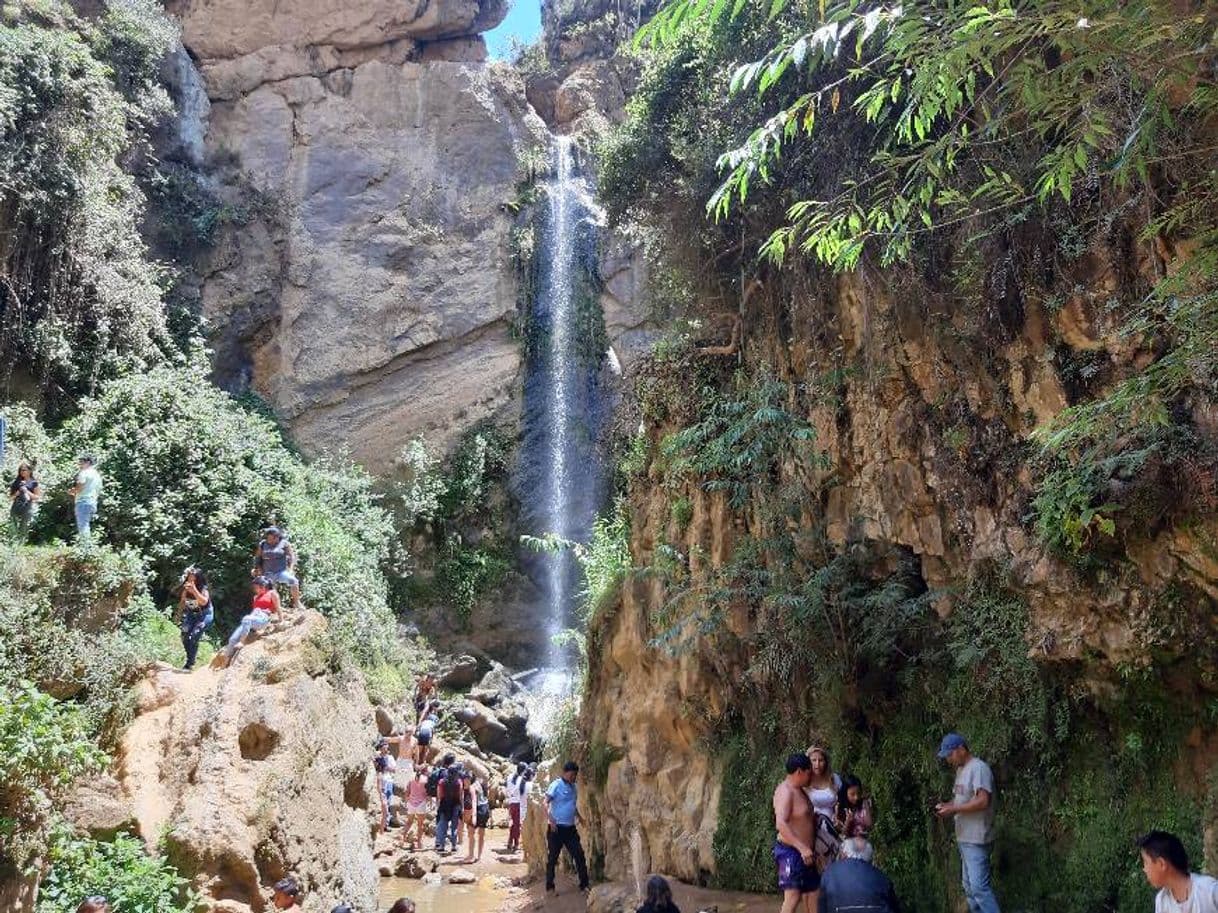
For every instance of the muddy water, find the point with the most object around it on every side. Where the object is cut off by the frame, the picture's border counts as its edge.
(481, 897)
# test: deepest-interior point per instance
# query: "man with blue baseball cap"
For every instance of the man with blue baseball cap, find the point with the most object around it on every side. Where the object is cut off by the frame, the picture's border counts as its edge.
(972, 806)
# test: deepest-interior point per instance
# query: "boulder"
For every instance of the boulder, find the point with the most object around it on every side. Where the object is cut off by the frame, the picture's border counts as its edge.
(385, 723)
(462, 876)
(416, 865)
(433, 878)
(205, 763)
(460, 672)
(488, 731)
(101, 808)
(611, 898)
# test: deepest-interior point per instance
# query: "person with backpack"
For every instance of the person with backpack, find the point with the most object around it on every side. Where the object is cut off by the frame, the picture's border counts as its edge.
(476, 826)
(437, 774)
(450, 797)
(517, 801)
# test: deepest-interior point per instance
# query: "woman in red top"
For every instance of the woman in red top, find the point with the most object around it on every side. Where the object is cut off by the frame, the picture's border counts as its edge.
(265, 610)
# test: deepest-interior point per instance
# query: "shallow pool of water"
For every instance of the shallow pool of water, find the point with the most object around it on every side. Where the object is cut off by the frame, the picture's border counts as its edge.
(480, 897)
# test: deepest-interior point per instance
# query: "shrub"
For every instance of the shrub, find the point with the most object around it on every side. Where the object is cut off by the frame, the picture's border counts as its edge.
(44, 747)
(130, 878)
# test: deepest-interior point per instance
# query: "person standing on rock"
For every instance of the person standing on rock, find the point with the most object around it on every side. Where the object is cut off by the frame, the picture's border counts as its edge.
(482, 817)
(517, 799)
(424, 694)
(195, 612)
(275, 558)
(795, 821)
(562, 815)
(972, 806)
(385, 765)
(1165, 865)
(287, 895)
(85, 493)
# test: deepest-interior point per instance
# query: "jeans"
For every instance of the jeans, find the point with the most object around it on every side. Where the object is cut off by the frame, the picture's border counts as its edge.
(22, 519)
(193, 626)
(565, 835)
(251, 622)
(975, 878)
(85, 512)
(387, 791)
(446, 825)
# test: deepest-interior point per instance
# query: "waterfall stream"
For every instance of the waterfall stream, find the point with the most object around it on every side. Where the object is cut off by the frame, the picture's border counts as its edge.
(565, 405)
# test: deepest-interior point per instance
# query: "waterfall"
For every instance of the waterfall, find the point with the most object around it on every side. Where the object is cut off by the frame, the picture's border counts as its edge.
(565, 409)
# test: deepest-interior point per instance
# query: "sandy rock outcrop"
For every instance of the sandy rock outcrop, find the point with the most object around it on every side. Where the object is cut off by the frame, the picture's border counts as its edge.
(257, 771)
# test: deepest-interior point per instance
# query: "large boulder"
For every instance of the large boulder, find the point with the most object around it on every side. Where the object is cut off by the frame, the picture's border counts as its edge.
(459, 672)
(257, 771)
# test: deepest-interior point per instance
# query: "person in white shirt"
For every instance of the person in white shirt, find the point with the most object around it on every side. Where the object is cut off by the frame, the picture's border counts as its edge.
(85, 493)
(517, 803)
(1165, 864)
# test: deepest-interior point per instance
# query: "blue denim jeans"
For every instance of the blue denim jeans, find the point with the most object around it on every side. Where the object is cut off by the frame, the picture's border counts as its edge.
(85, 512)
(251, 622)
(446, 826)
(975, 878)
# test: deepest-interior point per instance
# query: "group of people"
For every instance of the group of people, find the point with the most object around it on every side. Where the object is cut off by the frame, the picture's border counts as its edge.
(826, 861)
(25, 498)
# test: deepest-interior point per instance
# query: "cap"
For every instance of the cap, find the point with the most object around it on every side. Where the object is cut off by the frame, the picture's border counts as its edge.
(273, 531)
(950, 743)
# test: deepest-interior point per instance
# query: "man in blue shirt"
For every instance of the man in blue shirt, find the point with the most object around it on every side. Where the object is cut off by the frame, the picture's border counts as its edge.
(560, 809)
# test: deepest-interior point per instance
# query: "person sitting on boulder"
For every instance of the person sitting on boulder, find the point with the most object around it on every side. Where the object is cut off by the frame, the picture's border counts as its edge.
(385, 764)
(264, 611)
(424, 731)
(275, 558)
(287, 895)
(657, 896)
(195, 612)
(94, 904)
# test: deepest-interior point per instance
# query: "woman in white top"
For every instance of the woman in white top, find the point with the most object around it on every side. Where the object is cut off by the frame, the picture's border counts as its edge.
(822, 792)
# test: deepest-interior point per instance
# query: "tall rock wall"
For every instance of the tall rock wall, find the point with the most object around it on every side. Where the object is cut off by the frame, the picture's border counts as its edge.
(925, 437)
(368, 156)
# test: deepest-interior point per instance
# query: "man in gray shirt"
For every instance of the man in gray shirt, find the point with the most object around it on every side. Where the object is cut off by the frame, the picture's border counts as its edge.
(972, 806)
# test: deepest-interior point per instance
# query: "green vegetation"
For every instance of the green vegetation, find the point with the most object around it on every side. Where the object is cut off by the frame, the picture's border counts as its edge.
(120, 870)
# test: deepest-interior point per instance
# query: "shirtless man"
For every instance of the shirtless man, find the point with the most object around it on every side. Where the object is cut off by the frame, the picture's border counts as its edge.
(795, 819)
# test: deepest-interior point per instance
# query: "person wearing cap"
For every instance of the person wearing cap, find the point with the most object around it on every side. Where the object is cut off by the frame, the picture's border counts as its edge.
(972, 806)
(85, 494)
(264, 611)
(561, 799)
(275, 558)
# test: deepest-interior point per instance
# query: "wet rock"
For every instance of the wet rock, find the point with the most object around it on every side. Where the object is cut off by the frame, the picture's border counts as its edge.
(433, 878)
(462, 876)
(416, 865)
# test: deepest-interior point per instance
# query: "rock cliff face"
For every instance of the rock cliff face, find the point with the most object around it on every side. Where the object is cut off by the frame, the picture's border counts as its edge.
(253, 773)
(927, 437)
(369, 153)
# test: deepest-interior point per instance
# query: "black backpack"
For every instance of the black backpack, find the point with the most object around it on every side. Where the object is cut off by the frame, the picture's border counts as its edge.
(433, 781)
(452, 783)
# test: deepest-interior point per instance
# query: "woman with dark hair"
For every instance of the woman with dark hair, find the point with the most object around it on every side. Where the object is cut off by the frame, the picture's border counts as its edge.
(265, 610)
(24, 493)
(94, 904)
(402, 905)
(854, 815)
(195, 612)
(657, 897)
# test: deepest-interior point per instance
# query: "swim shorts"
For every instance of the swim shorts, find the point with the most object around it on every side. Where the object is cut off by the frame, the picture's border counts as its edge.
(793, 873)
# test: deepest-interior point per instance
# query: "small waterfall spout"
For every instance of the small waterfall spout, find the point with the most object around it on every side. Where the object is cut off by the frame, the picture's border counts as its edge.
(565, 409)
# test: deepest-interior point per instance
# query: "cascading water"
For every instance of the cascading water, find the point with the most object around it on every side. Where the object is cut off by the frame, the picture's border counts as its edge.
(565, 408)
